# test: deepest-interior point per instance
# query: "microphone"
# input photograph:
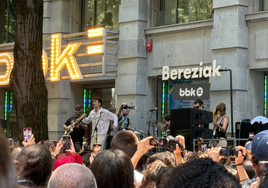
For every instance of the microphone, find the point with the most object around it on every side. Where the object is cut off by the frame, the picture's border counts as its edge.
(153, 109)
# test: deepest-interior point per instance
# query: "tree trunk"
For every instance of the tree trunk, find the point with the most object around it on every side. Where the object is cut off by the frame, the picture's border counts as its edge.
(27, 79)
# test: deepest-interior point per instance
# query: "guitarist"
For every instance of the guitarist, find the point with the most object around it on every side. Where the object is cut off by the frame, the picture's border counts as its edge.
(79, 129)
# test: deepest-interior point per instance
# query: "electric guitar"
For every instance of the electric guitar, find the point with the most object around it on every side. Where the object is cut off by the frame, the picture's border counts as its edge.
(73, 124)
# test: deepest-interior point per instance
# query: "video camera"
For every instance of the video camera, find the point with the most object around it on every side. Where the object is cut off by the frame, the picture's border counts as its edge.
(165, 144)
(229, 152)
(130, 107)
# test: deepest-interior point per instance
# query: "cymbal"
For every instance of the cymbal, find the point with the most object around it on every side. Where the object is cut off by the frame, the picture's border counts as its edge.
(132, 129)
(140, 131)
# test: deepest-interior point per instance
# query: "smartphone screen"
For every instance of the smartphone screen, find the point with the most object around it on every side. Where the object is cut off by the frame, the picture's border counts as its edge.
(204, 147)
(27, 133)
(66, 142)
(225, 152)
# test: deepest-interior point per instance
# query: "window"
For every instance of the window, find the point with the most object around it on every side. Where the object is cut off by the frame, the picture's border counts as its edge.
(263, 5)
(182, 11)
(7, 21)
(100, 13)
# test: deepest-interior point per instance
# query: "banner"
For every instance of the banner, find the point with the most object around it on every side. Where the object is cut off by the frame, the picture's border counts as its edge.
(191, 91)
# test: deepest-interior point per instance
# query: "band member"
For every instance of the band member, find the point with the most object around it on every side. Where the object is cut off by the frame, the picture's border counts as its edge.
(123, 120)
(198, 104)
(220, 124)
(165, 129)
(100, 119)
(79, 129)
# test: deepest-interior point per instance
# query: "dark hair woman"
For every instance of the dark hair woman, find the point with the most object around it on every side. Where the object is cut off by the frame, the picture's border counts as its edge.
(113, 169)
(35, 165)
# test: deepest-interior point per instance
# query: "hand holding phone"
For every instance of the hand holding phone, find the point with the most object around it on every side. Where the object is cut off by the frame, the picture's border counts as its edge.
(27, 133)
(66, 143)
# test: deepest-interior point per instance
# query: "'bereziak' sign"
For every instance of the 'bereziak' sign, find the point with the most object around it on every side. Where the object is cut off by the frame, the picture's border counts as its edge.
(197, 72)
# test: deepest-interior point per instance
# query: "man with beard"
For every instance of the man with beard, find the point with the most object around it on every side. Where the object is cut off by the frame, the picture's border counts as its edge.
(123, 120)
(79, 128)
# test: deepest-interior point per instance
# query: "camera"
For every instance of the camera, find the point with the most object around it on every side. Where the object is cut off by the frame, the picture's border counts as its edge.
(130, 107)
(165, 144)
(229, 152)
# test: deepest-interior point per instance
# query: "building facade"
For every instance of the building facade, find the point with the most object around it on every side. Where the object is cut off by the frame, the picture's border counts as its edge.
(233, 33)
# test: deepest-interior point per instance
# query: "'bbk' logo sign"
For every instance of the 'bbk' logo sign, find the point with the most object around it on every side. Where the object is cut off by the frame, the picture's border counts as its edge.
(191, 91)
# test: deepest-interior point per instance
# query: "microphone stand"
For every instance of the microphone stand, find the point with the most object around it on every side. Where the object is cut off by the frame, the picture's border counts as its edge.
(149, 123)
(96, 129)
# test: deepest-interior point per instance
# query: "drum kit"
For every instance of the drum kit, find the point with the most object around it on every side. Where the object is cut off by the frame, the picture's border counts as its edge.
(139, 133)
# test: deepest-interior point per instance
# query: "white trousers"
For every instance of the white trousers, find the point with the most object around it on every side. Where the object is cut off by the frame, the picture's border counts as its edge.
(98, 139)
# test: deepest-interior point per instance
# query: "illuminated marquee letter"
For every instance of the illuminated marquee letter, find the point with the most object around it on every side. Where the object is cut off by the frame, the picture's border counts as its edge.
(6, 58)
(95, 33)
(58, 60)
(44, 62)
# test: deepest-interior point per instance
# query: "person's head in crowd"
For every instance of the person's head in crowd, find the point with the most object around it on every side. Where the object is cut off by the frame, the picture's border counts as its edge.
(248, 149)
(35, 164)
(72, 175)
(125, 141)
(166, 119)
(16, 143)
(247, 164)
(8, 176)
(264, 183)
(198, 104)
(65, 158)
(151, 173)
(113, 169)
(190, 156)
(49, 144)
(162, 174)
(86, 159)
(15, 153)
(259, 149)
(142, 163)
(167, 158)
(220, 110)
(202, 173)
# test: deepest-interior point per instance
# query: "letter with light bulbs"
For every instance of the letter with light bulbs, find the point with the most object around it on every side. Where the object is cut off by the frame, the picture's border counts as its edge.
(58, 59)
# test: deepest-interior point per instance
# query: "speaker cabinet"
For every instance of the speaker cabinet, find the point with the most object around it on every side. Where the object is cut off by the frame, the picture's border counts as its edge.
(183, 123)
(244, 128)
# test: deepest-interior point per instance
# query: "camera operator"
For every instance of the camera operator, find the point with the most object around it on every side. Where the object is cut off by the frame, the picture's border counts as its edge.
(123, 120)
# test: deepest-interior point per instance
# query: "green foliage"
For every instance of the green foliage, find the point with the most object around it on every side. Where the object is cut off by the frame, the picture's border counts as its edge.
(99, 10)
(10, 25)
(194, 10)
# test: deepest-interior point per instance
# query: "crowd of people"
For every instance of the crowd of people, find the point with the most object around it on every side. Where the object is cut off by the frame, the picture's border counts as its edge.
(131, 162)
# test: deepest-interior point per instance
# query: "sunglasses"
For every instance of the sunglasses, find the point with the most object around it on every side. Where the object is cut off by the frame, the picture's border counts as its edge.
(77, 109)
(197, 107)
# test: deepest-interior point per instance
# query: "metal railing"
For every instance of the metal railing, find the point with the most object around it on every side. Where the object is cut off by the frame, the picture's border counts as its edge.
(228, 139)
